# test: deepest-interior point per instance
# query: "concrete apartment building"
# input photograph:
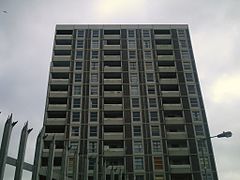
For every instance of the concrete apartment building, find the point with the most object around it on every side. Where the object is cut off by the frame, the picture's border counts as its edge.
(124, 103)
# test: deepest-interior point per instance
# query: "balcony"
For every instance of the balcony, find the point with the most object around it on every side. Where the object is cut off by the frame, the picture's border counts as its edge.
(170, 93)
(65, 36)
(112, 69)
(56, 121)
(58, 93)
(112, 93)
(172, 106)
(112, 58)
(112, 81)
(59, 81)
(113, 121)
(113, 135)
(113, 151)
(180, 151)
(167, 69)
(59, 69)
(170, 46)
(111, 47)
(62, 58)
(162, 36)
(168, 80)
(182, 168)
(176, 135)
(174, 120)
(62, 47)
(57, 107)
(113, 106)
(166, 57)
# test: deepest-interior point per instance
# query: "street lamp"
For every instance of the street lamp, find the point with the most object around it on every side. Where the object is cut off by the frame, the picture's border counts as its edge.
(226, 134)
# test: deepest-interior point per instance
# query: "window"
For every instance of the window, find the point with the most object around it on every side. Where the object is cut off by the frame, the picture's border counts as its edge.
(95, 55)
(158, 163)
(204, 161)
(133, 65)
(92, 147)
(185, 54)
(156, 146)
(138, 147)
(95, 33)
(134, 90)
(183, 43)
(80, 44)
(146, 33)
(73, 145)
(152, 102)
(186, 65)
(91, 163)
(159, 177)
(193, 102)
(202, 146)
(131, 33)
(199, 130)
(139, 177)
(151, 89)
(131, 44)
(146, 44)
(93, 131)
(189, 77)
(78, 66)
(155, 131)
(149, 65)
(94, 103)
(93, 116)
(94, 77)
(94, 90)
(147, 54)
(150, 77)
(77, 90)
(135, 102)
(94, 65)
(153, 115)
(80, 33)
(75, 131)
(181, 33)
(137, 131)
(191, 89)
(76, 103)
(134, 78)
(95, 44)
(136, 116)
(138, 161)
(132, 54)
(79, 55)
(75, 116)
(78, 77)
(196, 116)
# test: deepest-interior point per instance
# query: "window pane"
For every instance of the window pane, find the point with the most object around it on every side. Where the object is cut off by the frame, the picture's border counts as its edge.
(155, 131)
(93, 116)
(80, 43)
(138, 163)
(153, 115)
(75, 131)
(78, 77)
(93, 131)
(79, 55)
(132, 54)
(77, 90)
(157, 146)
(135, 102)
(137, 131)
(78, 66)
(136, 116)
(76, 103)
(75, 116)
(138, 147)
(131, 33)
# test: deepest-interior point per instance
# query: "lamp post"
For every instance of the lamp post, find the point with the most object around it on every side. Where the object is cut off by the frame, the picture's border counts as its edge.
(226, 134)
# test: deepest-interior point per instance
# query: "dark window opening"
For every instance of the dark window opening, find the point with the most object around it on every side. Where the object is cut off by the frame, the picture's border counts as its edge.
(166, 63)
(111, 53)
(112, 42)
(171, 75)
(112, 63)
(55, 129)
(173, 113)
(64, 32)
(61, 63)
(113, 114)
(113, 100)
(169, 87)
(113, 128)
(112, 75)
(57, 101)
(62, 52)
(163, 41)
(60, 75)
(58, 87)
(171, 100)
(175, 128)
(63, 42)
(161, 31)
(112, 32)
(164, 52)
(114, 144)
(56, 114)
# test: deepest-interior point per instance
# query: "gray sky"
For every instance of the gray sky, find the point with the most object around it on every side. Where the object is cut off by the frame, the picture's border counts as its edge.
(26, 38)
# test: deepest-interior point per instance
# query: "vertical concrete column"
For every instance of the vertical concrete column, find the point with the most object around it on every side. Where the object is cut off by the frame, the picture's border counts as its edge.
(5, 145)
(51, 160)
(21, 152)
(37, 156)
(64, 161)
(75, 169)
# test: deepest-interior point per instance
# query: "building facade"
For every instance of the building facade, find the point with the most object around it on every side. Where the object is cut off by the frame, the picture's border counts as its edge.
(124, 102)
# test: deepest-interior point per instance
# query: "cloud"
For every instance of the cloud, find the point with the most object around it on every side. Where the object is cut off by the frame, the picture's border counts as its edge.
(226, 88)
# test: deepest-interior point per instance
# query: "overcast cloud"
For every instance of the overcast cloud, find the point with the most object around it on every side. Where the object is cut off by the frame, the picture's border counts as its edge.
(26, 38)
